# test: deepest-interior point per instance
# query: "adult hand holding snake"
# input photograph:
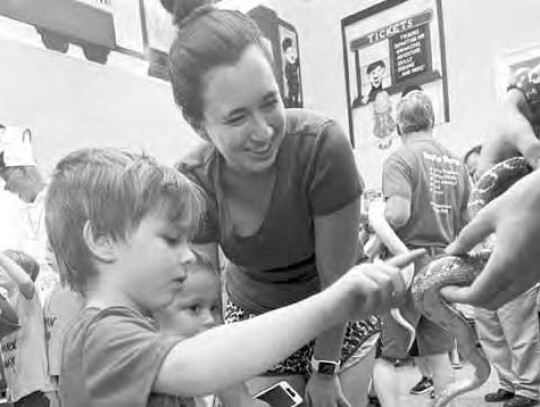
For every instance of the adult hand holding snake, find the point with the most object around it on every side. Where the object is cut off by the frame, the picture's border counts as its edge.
(513, 265)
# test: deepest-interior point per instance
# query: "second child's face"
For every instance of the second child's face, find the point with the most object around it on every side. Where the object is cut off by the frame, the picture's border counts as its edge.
(152, 261)
(196, 307)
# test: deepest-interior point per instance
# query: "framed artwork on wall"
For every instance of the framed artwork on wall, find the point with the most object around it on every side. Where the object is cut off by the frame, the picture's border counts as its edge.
(282, 40)
(290, 65)
(388, 48)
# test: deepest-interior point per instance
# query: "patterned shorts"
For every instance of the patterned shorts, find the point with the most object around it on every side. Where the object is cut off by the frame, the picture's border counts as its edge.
(299, 363)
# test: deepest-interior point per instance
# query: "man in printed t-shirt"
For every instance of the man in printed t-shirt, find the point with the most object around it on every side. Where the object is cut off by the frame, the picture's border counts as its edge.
(426, 190)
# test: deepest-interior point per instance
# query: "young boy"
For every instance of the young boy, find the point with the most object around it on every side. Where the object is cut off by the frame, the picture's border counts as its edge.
(23, 352)
(119, 225)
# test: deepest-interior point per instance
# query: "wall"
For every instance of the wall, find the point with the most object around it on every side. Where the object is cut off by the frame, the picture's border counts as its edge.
(476, 33)
(70, 103)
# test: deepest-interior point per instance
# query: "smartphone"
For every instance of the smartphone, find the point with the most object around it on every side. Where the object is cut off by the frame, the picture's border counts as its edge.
(280, 394)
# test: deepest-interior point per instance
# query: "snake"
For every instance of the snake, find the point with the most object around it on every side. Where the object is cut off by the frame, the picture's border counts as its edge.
(445, 270)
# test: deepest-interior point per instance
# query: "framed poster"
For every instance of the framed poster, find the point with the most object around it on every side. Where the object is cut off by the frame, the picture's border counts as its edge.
(281, 39)
(388, 48)
(290, 65)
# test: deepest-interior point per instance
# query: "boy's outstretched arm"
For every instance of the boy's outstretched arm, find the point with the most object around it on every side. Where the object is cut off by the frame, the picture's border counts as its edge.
(232, 353)
(18, 275)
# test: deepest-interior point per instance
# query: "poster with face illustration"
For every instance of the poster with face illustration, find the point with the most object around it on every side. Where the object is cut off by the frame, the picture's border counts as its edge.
(290, 66)
(389, 48)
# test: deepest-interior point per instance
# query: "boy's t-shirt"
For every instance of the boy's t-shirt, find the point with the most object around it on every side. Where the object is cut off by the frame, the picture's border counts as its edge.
(59, 310)
(24, 353)
(111, 357)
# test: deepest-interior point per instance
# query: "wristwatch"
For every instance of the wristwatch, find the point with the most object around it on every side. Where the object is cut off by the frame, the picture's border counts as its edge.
(325, 367)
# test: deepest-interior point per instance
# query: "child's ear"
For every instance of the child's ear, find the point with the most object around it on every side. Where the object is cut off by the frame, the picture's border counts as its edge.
(100, 245)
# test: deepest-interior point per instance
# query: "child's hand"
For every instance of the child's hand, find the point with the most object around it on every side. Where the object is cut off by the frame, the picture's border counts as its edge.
(375, 288)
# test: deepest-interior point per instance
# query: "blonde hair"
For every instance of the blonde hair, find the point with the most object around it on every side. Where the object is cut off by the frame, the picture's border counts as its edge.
(112, 190)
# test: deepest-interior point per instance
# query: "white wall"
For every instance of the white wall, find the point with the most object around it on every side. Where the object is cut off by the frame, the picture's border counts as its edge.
(70, 103)
(476, 33)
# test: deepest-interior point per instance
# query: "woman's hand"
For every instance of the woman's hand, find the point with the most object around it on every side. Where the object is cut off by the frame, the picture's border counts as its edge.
(513, 265)
(325, 392)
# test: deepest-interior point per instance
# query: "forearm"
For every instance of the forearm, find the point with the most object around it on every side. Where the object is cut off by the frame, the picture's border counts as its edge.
(328, 344)
(18, 275)
(233, 353)
(336, 248)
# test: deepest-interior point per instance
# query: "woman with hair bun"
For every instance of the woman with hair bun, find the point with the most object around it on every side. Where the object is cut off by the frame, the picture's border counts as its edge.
(283, 195)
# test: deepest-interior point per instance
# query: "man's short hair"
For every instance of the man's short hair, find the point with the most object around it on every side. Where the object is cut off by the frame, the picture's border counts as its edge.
(113, 190)
(414, 112)
(371, 67)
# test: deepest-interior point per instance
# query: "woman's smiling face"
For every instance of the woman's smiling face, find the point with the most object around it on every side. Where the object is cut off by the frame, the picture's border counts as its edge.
(243, 112)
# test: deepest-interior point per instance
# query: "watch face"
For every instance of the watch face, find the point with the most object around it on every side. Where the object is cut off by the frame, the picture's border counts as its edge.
(327, 368)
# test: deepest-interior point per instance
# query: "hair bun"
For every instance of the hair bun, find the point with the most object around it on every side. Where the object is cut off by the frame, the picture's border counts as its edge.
(182, 9)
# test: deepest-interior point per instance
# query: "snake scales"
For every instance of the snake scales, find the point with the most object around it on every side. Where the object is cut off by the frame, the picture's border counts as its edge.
(460, 271)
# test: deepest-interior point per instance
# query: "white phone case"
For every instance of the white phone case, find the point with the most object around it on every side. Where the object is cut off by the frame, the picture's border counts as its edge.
(281, 394)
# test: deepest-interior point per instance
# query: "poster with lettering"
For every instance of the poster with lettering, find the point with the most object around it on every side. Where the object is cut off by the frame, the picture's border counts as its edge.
(390, 48)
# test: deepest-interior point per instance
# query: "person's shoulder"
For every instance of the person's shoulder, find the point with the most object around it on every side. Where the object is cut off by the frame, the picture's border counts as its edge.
(400, 154)
(93, 320)
(63, 297)
(119, 315)
(96, 329)
(449, 155)
(198, 158)
(305, 124)
(308, 132)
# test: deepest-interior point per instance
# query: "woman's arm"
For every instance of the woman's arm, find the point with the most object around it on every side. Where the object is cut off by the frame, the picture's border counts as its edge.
(336, 248)
(232, 353)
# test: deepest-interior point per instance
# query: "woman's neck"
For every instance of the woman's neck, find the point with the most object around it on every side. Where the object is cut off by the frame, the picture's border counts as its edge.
(418, 136)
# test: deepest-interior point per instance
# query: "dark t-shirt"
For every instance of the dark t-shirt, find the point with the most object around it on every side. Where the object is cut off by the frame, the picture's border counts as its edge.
(112, 357)
(438, 187)
(316, 176)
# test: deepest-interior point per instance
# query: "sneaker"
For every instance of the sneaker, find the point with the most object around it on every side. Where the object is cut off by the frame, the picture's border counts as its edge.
(499, 395)
(520, 401)
(457, 365)
(423, 386)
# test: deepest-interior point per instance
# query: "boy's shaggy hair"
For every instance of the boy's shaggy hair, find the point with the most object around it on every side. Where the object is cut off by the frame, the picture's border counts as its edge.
(112, 190)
